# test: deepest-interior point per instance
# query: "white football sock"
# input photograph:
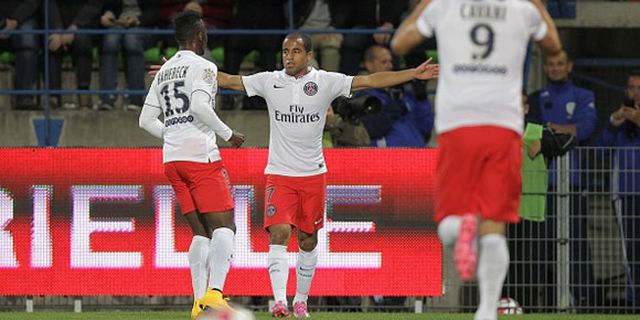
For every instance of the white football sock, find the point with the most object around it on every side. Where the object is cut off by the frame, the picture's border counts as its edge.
(305, 268)
(448, 229)
(278, 271)
(222, 240)
(198, 255)
(493, 264)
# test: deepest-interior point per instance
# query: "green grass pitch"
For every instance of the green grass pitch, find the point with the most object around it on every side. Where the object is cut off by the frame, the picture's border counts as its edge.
(115, 315)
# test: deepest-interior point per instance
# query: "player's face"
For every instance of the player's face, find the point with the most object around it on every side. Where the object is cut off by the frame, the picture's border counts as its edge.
(558, 67)
(633, 89)
(382, 62)
(295, 58)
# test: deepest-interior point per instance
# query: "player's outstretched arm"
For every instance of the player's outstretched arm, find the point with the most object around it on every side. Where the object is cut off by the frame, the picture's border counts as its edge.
(551, 42)
(407, 36)
(229, 81)
(425, 71)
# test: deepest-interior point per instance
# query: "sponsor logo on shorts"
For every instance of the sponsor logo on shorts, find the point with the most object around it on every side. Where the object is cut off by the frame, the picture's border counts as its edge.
(271, 210)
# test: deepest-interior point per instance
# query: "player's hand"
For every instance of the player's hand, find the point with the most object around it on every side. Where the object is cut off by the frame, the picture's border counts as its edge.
(427, 71)
(236, 140)
(154, 68)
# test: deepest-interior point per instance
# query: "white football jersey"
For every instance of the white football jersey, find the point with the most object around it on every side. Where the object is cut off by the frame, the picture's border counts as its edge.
(297, 114)
(481, 50)
(186, 138)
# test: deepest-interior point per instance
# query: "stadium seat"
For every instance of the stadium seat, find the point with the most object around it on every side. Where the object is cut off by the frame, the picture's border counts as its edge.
(6, 57)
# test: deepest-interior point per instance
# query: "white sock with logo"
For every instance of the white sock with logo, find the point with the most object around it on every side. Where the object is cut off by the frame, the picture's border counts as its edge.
(220, 257)
(305, 269)
(278, 271)
(493, 264)
(198, 255)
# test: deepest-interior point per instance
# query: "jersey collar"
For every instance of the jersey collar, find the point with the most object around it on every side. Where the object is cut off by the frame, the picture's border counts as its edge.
(311, 70)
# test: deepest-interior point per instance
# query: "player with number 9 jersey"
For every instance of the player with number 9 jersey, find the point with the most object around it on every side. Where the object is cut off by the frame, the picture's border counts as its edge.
(481, 48)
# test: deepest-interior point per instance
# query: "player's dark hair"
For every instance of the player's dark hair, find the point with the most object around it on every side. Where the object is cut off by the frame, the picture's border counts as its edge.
(306, 40)
(186, 25)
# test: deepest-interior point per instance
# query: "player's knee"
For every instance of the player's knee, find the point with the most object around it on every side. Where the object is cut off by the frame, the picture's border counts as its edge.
(308, 244)
(448, 229)
(279, 237)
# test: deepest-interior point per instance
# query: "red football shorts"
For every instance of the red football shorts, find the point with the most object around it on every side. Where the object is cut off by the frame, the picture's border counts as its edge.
(298, 201)
(204, 187)
(478, 172)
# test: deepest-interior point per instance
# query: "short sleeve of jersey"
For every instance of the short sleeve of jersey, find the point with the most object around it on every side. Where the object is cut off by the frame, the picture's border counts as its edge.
(537, 26)
(428, 19)
(254, 84)
(204, 78)
(339, 84)
(152, 96)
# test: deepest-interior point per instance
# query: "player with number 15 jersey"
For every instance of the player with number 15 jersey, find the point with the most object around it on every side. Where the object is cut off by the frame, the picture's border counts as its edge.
(183, 91)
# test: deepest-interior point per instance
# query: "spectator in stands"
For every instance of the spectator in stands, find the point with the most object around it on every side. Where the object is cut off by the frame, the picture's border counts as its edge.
(73, 15)
(623, 130)
(317, 14)
(20, 15)
(404, 121)
(254, 14)
(566, 108)
(216, 14)
(117, 15)
(369, 14)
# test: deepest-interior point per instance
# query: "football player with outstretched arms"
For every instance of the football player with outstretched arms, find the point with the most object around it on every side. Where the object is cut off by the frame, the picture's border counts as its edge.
(481, 48)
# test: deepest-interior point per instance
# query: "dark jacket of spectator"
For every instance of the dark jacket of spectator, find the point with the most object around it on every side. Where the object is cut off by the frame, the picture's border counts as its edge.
(64, 13)
(19, 10)
(150, 11)
(368, 13)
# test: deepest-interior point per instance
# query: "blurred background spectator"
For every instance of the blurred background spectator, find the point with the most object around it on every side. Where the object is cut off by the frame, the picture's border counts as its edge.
(405, 121)
(216, 14)
(254, 14)
(317, 14)
(125, 14)
(569, 109)
(22, 15)
(370, 14)
(623, 130)
(73, 15)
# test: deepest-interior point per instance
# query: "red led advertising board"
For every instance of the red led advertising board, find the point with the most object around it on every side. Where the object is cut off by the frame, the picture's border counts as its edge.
(106, 222)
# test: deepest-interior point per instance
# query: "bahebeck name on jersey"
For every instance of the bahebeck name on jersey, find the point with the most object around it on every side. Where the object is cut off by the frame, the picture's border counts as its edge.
(179, 72)
(296, 115)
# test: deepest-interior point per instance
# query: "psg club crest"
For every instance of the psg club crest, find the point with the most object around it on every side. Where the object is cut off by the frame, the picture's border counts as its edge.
(310, 88)
(271, 210)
